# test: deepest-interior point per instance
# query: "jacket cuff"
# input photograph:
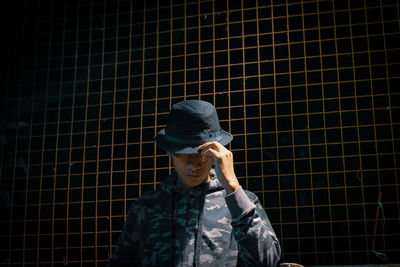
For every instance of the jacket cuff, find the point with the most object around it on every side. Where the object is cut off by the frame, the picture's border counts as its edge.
(238, 203)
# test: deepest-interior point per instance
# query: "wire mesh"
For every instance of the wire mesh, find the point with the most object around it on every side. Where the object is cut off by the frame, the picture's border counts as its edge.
(309, 89)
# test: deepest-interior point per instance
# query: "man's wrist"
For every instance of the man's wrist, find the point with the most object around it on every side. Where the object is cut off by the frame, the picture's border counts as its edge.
(230, 188)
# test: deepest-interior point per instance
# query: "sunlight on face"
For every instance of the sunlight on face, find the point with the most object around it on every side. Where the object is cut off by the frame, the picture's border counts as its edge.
(190, 168)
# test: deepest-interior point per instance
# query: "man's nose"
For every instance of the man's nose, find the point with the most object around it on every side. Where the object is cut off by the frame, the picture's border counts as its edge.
(194, 161)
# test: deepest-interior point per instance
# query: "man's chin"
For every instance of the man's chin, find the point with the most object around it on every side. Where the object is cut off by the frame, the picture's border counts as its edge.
(194, 176)
(194, 180)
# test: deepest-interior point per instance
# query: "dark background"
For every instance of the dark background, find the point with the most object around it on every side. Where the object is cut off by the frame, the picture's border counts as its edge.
(309, 89)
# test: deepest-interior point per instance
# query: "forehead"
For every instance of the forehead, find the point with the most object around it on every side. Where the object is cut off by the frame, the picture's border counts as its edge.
(186, 156)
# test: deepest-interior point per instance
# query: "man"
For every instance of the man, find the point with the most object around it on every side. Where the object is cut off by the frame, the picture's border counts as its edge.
(200, 216)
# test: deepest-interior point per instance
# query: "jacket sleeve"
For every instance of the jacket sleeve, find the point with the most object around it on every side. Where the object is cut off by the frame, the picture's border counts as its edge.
(257, 241)
(126, 250)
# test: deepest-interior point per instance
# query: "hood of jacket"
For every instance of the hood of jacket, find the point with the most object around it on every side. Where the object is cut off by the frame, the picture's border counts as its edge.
(173, 184)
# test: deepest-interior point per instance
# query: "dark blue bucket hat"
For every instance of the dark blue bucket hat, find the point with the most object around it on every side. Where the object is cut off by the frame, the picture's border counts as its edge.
(191, 123)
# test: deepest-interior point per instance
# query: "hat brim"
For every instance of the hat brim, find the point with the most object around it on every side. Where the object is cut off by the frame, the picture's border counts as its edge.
(172, 147)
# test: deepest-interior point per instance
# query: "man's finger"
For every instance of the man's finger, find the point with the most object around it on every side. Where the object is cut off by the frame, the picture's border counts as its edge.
(209, 152)
(215, 145)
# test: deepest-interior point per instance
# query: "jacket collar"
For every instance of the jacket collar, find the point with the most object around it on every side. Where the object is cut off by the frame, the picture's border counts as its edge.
(172, 183)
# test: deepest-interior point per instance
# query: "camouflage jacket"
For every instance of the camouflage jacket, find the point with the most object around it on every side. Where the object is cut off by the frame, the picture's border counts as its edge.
(200, 226)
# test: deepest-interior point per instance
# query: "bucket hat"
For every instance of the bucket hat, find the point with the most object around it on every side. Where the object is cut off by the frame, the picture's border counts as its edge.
(191, 123)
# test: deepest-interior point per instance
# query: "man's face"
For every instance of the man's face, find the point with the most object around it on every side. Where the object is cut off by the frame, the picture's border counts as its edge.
(190, 168)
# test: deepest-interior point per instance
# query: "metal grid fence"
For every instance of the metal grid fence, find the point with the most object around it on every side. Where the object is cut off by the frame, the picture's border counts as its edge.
(309, 89)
